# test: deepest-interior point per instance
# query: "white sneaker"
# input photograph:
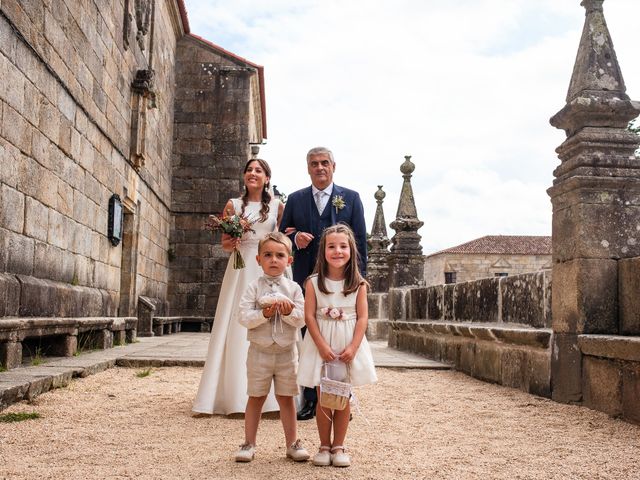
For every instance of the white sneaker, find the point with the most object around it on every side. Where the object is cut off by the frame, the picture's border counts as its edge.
(297, 452)
(323, 457)
(246, 453)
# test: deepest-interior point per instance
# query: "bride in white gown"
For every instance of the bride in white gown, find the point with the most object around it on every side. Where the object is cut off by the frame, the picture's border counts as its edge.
(223, 386)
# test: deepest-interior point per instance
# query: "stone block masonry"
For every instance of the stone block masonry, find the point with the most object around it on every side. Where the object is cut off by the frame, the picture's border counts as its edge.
(213, 107)
(495, 329)
(65, 110)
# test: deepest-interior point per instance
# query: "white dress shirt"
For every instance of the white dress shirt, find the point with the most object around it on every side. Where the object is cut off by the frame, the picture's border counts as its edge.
(323, 203)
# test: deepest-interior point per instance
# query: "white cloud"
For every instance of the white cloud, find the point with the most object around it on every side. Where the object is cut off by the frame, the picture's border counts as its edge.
(465, 86)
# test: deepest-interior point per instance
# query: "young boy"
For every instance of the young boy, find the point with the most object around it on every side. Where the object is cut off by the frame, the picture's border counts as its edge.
(272, 309)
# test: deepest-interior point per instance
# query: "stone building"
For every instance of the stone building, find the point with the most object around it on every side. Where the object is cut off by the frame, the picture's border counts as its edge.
(107, 101)
(488, 256)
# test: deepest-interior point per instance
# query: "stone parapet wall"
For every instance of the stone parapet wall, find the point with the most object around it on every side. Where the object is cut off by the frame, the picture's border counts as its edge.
(517, 357)
(629, 295)
(378, 325)
(521, 299)
(495, 329)
(611, 374)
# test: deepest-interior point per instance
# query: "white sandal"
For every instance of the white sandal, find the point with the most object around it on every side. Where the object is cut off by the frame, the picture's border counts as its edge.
(323, 457)
(340, 458)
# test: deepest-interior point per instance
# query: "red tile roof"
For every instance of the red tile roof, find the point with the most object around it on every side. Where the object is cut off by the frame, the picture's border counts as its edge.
(504, 245)
(183, 16)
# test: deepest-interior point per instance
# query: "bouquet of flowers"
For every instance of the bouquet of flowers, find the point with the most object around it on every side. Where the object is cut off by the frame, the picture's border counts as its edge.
(234, 225)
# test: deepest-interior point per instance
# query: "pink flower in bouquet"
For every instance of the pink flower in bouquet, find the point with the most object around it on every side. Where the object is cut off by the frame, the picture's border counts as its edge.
(234, 225)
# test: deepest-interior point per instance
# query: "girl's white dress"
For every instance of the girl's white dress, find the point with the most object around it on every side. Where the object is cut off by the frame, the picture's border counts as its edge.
(223, 385)
(338, 333)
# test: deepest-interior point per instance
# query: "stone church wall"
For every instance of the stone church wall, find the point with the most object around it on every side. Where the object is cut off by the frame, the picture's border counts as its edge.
(211, 146)
(66, 116)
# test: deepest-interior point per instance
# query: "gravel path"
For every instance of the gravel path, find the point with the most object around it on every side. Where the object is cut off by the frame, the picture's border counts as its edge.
(422, 424)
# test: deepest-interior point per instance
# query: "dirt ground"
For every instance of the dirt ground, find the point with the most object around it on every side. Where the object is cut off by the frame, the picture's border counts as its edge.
(414, 424)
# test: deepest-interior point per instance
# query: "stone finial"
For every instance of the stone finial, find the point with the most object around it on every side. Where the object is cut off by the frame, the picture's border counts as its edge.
(406, 262)
(407, 216)
(255, 150)
(592, 5)
(596, 95)
(379, 239)
(377, 258)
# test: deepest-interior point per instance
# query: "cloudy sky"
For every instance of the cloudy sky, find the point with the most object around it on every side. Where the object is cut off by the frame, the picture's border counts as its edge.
(466, 87)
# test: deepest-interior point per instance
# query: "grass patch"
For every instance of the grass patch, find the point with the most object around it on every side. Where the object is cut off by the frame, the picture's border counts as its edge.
(18, 417)
(3, 368)
(37, 357)
(144, 373)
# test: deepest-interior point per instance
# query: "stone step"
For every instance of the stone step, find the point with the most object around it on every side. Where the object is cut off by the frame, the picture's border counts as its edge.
(186, 349)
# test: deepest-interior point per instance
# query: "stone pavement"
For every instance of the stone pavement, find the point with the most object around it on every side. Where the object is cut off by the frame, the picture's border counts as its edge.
(181, 349)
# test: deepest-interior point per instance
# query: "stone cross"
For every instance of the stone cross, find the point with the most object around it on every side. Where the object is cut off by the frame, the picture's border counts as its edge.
(596, 203)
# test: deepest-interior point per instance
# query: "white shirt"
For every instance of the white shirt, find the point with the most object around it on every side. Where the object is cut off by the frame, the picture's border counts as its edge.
(267, 331)
(325, 199)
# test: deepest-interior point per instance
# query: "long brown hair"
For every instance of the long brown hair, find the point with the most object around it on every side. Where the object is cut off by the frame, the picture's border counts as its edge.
(352, 276)
(266, 196)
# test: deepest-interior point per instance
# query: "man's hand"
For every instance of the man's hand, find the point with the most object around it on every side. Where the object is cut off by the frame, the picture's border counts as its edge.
(303, 239)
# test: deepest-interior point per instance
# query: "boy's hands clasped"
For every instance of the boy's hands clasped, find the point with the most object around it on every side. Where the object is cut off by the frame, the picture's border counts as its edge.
(284, 306)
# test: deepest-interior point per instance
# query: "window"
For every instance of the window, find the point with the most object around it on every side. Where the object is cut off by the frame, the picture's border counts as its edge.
(501, 274)
(449, 277)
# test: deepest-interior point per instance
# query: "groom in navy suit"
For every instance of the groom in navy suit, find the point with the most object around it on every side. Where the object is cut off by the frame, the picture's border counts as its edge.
(308, 212)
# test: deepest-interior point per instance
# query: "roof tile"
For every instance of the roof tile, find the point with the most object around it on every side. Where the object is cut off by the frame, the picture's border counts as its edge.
(504, 245)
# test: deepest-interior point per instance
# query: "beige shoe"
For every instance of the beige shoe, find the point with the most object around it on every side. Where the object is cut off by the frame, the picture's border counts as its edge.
(339, 457)
(297, 452)
(323, 457)
(201, 415)
(246, 453)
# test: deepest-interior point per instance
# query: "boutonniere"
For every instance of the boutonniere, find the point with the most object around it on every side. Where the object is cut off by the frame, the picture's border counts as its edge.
(338, 202)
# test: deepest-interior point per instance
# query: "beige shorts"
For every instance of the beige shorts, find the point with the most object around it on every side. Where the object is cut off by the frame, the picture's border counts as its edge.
(273, 363)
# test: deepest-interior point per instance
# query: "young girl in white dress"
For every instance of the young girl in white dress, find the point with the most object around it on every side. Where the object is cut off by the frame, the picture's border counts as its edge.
(223, 385)
(336, 315)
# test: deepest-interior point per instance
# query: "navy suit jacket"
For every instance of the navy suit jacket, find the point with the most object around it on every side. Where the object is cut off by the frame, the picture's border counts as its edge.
(298, 213)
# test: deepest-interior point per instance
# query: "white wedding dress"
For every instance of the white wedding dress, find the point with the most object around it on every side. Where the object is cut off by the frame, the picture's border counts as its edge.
(223, 386)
